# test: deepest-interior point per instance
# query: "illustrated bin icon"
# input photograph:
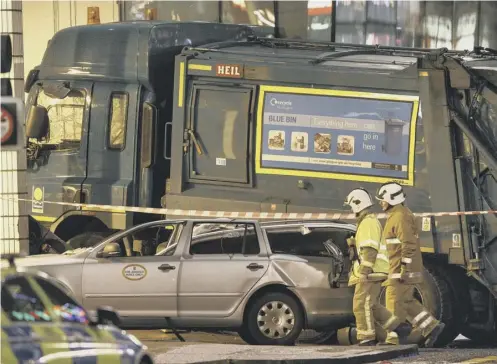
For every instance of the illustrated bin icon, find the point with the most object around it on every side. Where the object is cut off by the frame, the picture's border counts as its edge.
(393, 136)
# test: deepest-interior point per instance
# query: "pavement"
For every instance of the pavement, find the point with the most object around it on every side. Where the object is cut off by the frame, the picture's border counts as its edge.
(225, 348)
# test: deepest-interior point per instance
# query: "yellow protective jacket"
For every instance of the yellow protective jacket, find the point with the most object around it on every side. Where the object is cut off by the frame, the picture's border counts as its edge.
(404, 252)
(372, 264)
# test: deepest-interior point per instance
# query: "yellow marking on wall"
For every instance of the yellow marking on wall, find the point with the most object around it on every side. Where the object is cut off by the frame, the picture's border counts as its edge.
(199, 67)
(181, 86)
(339, 93)
(425, 249)
(423, 74)
(44, 218)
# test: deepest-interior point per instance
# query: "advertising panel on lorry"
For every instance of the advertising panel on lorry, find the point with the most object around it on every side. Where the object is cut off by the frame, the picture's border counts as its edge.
(336, 134)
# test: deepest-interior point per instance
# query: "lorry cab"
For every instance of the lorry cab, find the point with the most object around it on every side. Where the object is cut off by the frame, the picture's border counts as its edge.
(99, 122)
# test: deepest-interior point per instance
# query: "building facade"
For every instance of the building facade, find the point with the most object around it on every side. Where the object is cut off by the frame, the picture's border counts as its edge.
(451, 24)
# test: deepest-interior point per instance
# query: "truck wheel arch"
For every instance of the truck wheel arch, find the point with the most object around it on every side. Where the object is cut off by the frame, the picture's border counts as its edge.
(73, 225)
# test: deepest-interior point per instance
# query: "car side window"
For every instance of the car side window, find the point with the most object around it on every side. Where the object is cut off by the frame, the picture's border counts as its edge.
(64, 306)
(231, 238)
(308, 242)
(21, 303)
(144, 242)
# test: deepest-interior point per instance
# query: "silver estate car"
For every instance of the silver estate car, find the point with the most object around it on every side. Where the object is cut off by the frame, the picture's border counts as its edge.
(267, 281)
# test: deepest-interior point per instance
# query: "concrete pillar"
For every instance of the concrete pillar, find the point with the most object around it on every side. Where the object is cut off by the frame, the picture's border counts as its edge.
(14, 234)
(292, 19)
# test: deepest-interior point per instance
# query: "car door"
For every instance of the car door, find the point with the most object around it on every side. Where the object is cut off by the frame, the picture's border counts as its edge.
(219, 268)
(307, 240)
(142, 288)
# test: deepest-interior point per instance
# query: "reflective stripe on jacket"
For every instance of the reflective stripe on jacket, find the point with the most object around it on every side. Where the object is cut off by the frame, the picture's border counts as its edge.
(372, 254)
(401, 238)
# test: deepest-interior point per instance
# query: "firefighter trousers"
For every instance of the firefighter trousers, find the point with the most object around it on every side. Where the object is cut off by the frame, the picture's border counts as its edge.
(401, 302)
(367, 310)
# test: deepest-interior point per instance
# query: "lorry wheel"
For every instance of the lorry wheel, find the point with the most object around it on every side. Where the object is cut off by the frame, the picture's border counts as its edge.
(86, 240)
(274, 319)
(435, 295)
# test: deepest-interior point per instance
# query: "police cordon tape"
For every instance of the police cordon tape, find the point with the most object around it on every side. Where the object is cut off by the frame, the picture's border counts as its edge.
(243, 215)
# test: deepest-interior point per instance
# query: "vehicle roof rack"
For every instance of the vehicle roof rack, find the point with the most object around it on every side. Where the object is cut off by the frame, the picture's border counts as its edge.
(330, 46)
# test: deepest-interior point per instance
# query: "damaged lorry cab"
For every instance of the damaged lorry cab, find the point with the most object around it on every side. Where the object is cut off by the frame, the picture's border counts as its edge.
(289, 126)
(99, 125)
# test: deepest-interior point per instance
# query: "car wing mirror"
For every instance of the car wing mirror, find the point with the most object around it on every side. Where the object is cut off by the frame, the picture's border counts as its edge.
(304, 230)
(111, 250)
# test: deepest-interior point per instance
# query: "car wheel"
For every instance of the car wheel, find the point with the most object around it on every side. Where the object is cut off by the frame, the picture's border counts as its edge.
(274, 319)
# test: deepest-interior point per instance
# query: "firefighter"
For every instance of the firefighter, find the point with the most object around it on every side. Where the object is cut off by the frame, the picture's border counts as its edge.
(369, 270)
(406, 265)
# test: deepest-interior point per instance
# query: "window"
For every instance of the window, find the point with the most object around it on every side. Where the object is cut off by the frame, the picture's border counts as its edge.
(20, 303)
(65, 118)
(309, 242)
(144, 242)
(118, 115)
(259, 13)
(63, 306)
(221, 119)
(172, 11)
(305, 242)
(319, 20)
(224, 239)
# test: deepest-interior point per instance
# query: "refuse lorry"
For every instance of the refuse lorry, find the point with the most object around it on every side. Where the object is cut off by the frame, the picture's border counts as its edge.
(289, 126)
(115, 116)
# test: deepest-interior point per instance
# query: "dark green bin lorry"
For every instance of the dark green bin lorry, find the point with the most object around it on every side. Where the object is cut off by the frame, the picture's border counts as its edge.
(272, 125)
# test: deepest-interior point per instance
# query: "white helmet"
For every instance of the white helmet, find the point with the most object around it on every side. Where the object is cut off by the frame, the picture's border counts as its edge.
(358, 200)
(391, 192)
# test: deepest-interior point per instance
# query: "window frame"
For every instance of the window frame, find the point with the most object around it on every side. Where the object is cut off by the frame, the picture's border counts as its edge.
(221, 85)
(109, 121)
(115, 238)
(46, 141)
(216, 234)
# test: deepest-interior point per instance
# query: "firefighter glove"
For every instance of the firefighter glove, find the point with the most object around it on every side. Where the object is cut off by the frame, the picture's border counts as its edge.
(351, 241)
(352, 253)
(403, 274)
(365, 270)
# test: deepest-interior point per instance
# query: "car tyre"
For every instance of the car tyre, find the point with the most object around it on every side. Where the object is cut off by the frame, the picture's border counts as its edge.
(274, 319)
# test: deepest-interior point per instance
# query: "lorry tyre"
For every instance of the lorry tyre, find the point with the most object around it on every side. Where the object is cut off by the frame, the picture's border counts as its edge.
(435, 295)
(318, 337)
(86, 240)
(274, 319)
